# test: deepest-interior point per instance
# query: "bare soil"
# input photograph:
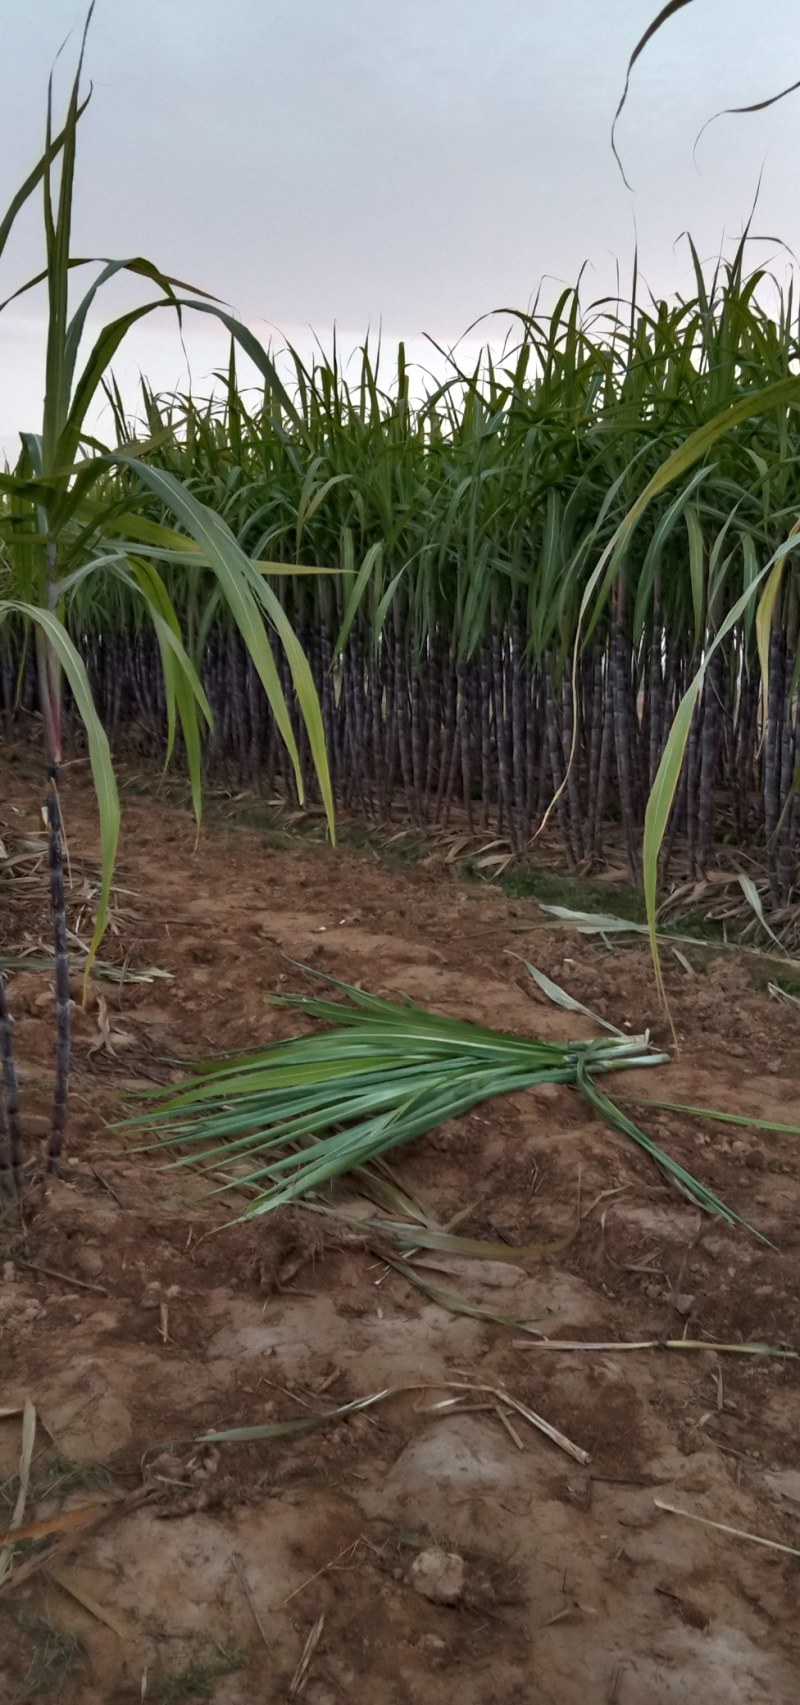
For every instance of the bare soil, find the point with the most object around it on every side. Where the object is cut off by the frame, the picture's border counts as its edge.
(281, 1570)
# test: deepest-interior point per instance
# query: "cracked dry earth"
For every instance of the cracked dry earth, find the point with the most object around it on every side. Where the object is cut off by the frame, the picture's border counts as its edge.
(290, 1568)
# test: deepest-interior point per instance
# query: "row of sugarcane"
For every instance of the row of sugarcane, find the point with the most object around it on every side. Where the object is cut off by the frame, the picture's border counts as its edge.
(460, 532)
(487, 743)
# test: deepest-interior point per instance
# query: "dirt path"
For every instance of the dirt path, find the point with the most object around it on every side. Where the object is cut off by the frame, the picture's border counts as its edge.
(577, 1587)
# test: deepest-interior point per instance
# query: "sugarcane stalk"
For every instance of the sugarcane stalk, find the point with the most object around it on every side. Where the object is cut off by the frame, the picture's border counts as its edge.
(464, 744)
(63, 1025)
(505, 798)
(622, 730)
(575, 806)
(485, 678)
(708, 763)
(773, 741)
(605, 761)
(518, 717)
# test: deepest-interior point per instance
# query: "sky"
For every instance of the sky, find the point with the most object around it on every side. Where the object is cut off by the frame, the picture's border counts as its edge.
(409, 167)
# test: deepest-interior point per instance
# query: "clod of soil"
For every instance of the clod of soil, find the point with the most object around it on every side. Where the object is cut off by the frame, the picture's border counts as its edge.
(439, 1576)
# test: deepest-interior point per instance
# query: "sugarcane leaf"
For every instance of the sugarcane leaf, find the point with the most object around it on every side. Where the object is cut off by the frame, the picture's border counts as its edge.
(765, 614)
(753, 899)
(456, 1304)
(666, 12)
(369, 574)
(665, 785)
(618, 1120)
(34, 178)
(469, 1248)
(719, 1115)
(246, 596)
(559, 997)
(697, 579)
(302, 1113)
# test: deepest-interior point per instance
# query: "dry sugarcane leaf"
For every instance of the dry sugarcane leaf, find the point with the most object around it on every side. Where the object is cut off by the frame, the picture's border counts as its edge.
(65, 1522)
(300, 1677)
(69, 1585)
(753, 899)
(559, 997)
(472, 1248)
(657, 1344)
(101, 1513)
(722, 1527)
(16, 1531)
(309, 1423)
(103, 1040)
(456, 1304)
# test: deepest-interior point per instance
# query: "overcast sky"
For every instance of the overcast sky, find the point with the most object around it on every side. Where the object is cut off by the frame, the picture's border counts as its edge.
(410, 163)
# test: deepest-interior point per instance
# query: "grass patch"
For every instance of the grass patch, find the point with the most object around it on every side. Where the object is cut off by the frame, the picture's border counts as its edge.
(56, 1476)
(581, 893)
(198, 1680)
(53, 1653)
(787, 981)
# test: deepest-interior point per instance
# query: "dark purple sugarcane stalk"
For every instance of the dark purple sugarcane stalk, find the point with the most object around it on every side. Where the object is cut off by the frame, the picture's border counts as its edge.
(596, 724)
(485, 691)
(519, 707)
(785, 853)
(434, 761)
(556, 753)
(464, 743)
(375, 653)
(535, 750)
(418, 739)
(692, 780)
(794, 809)
(389, 723)
(571, 762)
(504, 791)
(742, 760)
(255, 702)
(773, 741)
(448, 682)
(355, 708)
(604, 763)
(709, 745)
(63, 1044)
(401, 703)
(622, 730)
(655, 695)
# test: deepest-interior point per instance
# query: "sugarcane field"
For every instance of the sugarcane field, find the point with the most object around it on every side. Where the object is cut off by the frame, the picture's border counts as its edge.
(399, 866)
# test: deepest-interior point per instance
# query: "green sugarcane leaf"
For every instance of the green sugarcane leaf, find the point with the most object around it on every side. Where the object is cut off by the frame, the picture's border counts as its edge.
(34, 178)
(665, 785)
(302, 1113)
(246, 596)
(765, 614)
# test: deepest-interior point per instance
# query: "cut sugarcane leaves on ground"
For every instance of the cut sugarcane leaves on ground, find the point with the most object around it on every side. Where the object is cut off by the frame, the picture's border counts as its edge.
(296, 1115)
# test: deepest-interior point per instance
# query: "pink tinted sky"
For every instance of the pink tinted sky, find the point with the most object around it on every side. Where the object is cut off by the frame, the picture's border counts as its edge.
(362, 162)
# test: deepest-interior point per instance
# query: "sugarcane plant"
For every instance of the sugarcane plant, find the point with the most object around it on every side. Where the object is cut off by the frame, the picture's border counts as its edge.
(72, 528)
(768, 602)
(476, 669)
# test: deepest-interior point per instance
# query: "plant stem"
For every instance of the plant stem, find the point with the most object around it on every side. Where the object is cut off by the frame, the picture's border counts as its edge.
(59, 917)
